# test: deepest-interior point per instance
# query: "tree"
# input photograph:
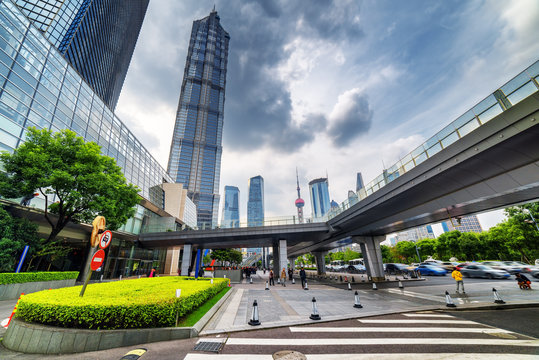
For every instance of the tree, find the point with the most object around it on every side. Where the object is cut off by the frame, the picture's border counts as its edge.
(351, 255)
(14, 235)
(84, 182)
(231, 255)
(426, 247)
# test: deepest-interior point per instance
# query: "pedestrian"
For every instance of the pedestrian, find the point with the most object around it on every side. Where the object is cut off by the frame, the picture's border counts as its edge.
(458, 278)
(152, 273)
(271, 279)
(201, 272)
(283, 277)
(290, 274)
(303, 277)
(523, 282)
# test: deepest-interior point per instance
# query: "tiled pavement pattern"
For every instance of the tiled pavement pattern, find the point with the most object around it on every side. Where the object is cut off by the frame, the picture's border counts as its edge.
(418, 335)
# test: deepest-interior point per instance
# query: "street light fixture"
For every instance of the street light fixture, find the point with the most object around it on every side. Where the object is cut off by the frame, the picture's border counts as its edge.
(526, 211)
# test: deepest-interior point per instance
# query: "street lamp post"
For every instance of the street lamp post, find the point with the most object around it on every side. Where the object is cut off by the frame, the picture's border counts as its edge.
(526, 211)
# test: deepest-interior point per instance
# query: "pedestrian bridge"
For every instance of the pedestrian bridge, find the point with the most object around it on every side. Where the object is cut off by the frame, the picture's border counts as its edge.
(486, 159)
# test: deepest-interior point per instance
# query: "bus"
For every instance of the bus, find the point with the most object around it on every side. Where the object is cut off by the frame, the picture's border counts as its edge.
(356, 262)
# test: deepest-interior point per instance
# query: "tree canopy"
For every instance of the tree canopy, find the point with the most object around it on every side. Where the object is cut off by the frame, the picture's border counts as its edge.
(62, 166)
(231, 255)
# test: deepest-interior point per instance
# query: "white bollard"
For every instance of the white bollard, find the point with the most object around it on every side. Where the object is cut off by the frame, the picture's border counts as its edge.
(374, 287)
(250, 280)
(349, 287)
(293, 281)
(449, 301)
(400, 285)
(497, 298)
(267, 286)
(254, 318)
(357, 303)
(314, 315)
(306, 286)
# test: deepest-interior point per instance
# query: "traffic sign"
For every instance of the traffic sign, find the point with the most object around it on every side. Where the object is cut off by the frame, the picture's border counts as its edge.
(97, 260)
(105, 239)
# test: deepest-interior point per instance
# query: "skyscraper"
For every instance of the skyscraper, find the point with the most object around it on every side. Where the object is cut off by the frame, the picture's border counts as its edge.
(319, 191)
(97, 37)
(359, 182)
(231, 208)
(195, 152)
(255, 204)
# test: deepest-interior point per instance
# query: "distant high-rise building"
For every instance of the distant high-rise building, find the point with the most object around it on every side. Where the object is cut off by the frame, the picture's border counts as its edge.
(467, 224)
(299, 201)
(415, 234)
(319, 191)
(359, 182)
(97, 37)
(231, 208)
(195, 152)
(255, 204)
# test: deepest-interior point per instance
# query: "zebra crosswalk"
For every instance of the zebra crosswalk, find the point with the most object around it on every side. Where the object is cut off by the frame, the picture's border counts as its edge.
(427, 335)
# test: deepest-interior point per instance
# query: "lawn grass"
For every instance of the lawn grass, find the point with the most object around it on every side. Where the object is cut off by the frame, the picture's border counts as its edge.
(195, 316)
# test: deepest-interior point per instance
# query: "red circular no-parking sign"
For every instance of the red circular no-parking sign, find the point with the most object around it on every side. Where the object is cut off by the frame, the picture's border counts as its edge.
(97, 260)
(105, 239)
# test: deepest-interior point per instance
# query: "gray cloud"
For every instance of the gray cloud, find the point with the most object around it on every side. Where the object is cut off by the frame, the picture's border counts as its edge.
(351, 117)
(258, 105)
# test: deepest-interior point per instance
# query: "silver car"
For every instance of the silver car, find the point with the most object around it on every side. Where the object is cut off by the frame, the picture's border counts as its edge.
(483, 271)
(500, 265)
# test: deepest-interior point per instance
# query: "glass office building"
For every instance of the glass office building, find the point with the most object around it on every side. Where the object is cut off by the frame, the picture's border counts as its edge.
(231, 208)
(195, 152)
(39, 88)
(465, 224)
(319, 191)
(255, 204)
(97, 37)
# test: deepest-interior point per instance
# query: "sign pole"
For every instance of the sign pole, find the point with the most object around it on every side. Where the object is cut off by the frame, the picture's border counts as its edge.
(93, 250)
(97, 256)
(21, 261)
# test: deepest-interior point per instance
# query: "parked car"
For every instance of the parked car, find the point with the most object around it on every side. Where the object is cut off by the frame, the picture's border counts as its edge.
(356, 269)
(392, 268)
(483, 271)
(500, 265)
(426, 269)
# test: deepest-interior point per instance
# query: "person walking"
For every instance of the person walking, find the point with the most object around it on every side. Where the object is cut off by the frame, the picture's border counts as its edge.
(283, 277)
(290, 274)
(303, 277)
(458, 278)
(271, 278)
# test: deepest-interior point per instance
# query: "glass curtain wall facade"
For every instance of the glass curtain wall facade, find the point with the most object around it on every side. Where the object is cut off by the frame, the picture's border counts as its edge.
(231, 208)
(319, 191)
(39, 88)
(97, 37)
(255, 204)
(467, 224)
(195, 152)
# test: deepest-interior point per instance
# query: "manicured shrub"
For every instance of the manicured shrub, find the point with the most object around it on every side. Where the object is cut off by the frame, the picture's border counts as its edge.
(17, 278)
(139, 303)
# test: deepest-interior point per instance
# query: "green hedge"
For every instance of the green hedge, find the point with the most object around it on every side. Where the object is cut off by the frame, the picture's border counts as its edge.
(138, 303)
(18, 278)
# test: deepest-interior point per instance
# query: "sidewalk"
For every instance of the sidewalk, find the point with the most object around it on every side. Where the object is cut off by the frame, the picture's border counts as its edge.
(292, 305)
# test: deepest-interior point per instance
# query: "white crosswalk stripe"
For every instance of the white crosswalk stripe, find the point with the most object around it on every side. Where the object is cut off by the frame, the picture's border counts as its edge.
(394, 334)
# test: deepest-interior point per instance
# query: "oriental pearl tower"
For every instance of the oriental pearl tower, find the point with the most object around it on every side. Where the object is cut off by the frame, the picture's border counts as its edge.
(299, 201)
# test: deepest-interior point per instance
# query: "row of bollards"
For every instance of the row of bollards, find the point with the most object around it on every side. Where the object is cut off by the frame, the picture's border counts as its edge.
(497, 298)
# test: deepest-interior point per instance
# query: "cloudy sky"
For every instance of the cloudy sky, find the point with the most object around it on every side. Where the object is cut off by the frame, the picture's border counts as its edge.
(334, 87)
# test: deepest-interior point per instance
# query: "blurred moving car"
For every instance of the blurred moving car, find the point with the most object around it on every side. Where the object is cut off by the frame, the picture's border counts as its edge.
(462, 265)
(483, 271)
(426, 269)
(395, 268)
(534, 271)
(356, 269)
(449, 265)
(501, 265)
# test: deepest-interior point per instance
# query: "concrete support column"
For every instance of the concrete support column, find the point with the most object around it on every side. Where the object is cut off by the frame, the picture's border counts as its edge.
(172, 261)
(186, 259)
(372, 254)
(276, 265)
(282, 256)
(264, 258)
(320, 262)
(292, 261)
